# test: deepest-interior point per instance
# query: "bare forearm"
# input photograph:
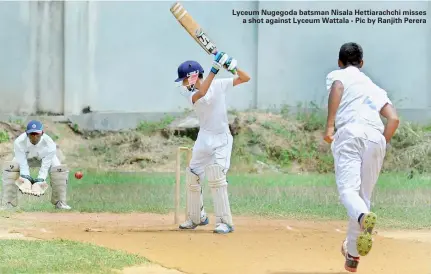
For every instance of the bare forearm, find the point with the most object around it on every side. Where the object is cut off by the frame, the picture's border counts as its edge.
(332, 112)
(390, 129)
(203, 89)
(334, 102)
(389, 112)
(243, 75)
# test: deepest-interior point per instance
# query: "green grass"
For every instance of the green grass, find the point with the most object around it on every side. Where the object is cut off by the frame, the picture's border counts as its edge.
(61, 256)
(4, 136)
(149, 127)
(399, 202)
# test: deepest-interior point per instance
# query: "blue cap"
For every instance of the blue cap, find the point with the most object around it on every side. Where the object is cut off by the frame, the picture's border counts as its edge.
(34, 127)
(188, 67)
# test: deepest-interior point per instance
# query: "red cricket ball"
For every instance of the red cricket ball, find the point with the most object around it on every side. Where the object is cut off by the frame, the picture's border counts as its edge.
(78, 175)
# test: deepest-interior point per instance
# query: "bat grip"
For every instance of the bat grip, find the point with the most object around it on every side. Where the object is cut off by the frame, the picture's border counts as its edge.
(234, 72)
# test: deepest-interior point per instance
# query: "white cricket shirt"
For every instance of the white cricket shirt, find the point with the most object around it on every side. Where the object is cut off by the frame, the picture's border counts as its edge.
(211, 109)
(362, 99)
(45, 150)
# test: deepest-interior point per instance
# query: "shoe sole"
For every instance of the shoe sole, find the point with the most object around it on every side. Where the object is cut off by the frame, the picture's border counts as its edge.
(364, 242)
(350, 269)
(222, 232)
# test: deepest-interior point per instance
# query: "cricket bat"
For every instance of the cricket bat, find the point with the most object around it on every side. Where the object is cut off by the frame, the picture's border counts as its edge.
(194, 29)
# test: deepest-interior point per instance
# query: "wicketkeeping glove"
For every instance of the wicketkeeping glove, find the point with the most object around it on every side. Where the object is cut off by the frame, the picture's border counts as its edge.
(24, 184)
(39, 187)
(28, 177)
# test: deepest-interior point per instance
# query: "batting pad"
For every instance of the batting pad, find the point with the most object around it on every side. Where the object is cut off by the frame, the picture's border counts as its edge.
(59, 178)
(194, 205)
(218, 184)
(9, 176)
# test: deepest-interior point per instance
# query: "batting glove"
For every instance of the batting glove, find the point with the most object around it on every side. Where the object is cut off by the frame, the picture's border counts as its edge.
(230, 65)
(219, 60)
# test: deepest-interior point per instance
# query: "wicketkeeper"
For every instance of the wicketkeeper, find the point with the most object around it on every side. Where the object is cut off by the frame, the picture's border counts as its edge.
(34, 148)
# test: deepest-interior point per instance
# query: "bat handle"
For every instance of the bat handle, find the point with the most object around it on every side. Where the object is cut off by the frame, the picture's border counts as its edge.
(234, 72)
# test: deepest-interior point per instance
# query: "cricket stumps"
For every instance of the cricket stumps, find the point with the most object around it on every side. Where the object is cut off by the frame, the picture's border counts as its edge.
(178, 170)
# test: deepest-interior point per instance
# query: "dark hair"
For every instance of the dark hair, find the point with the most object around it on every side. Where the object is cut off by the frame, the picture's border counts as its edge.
(351, 54)
(201, 76)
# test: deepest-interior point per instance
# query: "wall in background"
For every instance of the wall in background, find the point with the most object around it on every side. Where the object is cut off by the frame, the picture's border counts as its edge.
(61, 57)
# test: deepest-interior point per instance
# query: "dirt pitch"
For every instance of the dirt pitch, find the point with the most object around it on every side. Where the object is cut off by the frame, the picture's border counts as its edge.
(257, 245)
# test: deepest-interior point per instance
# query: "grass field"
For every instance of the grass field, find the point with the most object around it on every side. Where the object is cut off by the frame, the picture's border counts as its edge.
(399, 202)
(277, 142)
(21, 256)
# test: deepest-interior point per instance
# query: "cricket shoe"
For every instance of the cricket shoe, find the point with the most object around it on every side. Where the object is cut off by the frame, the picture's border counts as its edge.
(190, 225)
(223, 228)
(62, 205)
(364, 242)
(351, 263)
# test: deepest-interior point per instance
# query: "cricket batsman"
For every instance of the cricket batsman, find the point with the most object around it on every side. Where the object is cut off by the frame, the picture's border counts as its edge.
(34, 148)
(358, 146)
(212, 150)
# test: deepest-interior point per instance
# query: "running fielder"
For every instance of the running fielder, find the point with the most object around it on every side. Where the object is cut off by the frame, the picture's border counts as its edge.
(212, 149)
(358, 146)
(34, 148)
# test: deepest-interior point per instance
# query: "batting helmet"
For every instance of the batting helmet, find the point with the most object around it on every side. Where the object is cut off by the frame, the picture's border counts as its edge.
(188, 67)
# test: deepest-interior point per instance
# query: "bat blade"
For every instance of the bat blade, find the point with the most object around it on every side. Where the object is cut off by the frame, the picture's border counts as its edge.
(193, 28)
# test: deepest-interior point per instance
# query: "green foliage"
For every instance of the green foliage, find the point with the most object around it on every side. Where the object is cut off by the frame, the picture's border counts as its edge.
(312, 117)
(294, 142)
(4, 136)
(19, 122)
(289, 141)
(410, 149)
(150, 127)
(75, 128)
(407, 135)
(283, 141)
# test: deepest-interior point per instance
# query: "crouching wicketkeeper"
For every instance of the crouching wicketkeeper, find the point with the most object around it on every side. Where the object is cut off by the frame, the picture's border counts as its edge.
(34, 148)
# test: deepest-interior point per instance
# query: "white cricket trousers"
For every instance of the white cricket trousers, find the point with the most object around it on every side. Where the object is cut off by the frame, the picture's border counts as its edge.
(358, 152)
(211, 148)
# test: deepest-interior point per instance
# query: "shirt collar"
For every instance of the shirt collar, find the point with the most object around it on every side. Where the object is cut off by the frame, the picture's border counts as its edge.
(352, 68)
